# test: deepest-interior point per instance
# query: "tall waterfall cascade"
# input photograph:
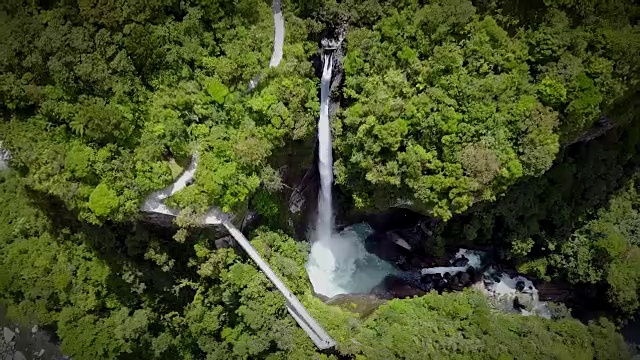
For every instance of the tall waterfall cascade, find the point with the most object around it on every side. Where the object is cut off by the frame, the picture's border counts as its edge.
(154, 203)
(338, 262)
(324, 226)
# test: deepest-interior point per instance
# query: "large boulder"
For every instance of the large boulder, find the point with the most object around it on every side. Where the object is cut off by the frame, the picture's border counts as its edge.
(396, 287)
(392, 219)
(224, 242)
(8, 334)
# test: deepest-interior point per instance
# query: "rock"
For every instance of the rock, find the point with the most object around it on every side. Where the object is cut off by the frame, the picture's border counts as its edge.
(426, 279)
(556, 291)
(17, 330)
(447, 276)
(465, 278)
(224, 242)
(425, 229)
(398, 240)
(419, 262)
(414, 237)
(382, 246)
(34, 329)
(474, 275)
(393, 219)
(460, 262)
(523, 303)
(597, 129)
(40, 353)
(516, 304)
(520, 286)
(455, 283)
(427, 287)
(250, 221)
(396, 287)
(8, 335)
(441, 285)
(19, 356)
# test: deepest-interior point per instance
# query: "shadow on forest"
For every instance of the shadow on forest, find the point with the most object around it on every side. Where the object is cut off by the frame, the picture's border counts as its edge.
(545, 211)
(134, 279)
(550, 207)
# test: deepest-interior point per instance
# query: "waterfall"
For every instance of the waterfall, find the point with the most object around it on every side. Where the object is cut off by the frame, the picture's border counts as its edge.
(324, 226)
(338, 263)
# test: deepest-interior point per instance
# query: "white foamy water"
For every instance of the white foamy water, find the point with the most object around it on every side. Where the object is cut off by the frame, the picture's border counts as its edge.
(474, 257)
(340, 264)
(324, 226)
(5, 157)
(441, 270)
(505, 288)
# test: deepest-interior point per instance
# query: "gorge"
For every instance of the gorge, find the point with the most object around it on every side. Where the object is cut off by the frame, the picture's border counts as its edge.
(188, 180)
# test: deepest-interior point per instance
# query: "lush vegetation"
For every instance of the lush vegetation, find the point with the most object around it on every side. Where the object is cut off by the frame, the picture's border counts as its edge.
(448, 104)
(471, 112)
(149, 297)
(110, 91)
(578, 222)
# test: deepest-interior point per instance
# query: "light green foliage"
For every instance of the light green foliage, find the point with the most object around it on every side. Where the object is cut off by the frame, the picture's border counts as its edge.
(461, 326)
(127, 86)
(552, 92)
(78, 161)
(439, 132)
(217, 91)
(103, 200)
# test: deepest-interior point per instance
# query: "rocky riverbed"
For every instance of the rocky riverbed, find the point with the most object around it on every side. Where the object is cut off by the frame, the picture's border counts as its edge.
(393, 256)
(21, 342)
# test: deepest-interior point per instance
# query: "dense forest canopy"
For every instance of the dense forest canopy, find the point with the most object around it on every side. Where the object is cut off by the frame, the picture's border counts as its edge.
(479, 114)
(463, 101)
(110, 90)
(155, 299)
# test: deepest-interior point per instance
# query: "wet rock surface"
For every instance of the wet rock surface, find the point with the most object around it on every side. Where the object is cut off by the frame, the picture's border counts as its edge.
(396, 287)
(21, 342)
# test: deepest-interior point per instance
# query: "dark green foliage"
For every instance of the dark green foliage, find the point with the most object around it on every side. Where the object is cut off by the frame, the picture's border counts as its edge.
(448, 104)
(445, 104)
(221, 306)
(147, 304)
(578, 222)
